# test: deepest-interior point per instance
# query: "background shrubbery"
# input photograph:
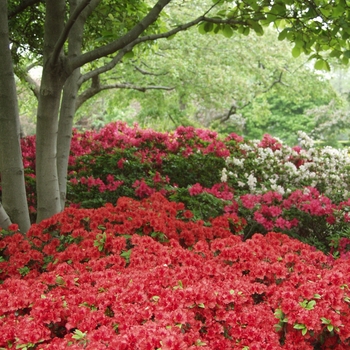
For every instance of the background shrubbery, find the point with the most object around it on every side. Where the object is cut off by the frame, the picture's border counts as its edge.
(213, 175)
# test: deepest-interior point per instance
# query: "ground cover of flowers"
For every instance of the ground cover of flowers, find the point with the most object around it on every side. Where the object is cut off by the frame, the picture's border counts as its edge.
(183, 241)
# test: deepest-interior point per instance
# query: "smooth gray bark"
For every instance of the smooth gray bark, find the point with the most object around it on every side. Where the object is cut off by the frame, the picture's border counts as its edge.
(5, 221)
(14, 200)
(69, 97)
(53, 77)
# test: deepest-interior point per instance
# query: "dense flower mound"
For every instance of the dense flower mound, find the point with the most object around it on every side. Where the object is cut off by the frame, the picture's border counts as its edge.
(269, 164)
(146, 275)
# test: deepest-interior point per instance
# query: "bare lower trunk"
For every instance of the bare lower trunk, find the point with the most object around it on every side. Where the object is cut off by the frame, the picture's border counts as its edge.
(69, 98)
(46, 149)
(65, 132)
(14, 198)
(5, 221)
(52, 81)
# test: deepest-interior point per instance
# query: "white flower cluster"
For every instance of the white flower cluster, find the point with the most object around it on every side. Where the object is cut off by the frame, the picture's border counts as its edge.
(224, 175)
(283, 170)
(304, 140)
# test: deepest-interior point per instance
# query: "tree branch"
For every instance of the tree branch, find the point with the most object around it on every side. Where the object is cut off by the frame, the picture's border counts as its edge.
(144, 72)
(33, 84)
(64, 35)
(123, 46)
(111, 64)
(234, 107)
(125, 40)
(22, 6)
(94, 90)
(277, 81)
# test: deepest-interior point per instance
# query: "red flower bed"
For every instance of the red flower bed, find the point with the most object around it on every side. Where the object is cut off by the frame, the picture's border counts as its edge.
(144, 275)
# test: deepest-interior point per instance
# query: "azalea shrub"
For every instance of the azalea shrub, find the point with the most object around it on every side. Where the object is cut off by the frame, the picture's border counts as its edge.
(189, 165)
(270, 165)
(146, 274)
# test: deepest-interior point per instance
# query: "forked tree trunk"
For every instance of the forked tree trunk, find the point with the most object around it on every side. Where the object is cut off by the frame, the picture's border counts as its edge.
(14, 198)
(53, 77)
(65, 127)
(69, 98)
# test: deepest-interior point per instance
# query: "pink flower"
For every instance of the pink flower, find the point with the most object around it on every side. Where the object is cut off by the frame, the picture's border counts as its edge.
(195, 189)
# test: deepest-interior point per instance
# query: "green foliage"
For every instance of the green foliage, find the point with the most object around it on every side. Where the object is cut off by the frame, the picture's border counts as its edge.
(196, 168)
(313, 27)
(182, 171)
(203, 205)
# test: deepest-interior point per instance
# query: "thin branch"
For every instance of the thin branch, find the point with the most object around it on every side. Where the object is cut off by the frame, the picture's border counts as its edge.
(172, 119)
(125, 40)
(234, 107)
(111, 64)
(22, 6)
(144, 72)
(94, 90)
(32, 65)
(277, 81)
(33, 85)
(129, 40)
(64, 35)
(216, 3)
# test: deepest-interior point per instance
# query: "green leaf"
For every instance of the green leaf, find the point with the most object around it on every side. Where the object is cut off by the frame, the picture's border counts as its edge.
(330, 327)
(126, 255)
(338, 11)
(227, 31)
(201, 29)
(310, 305)
(256, 27)
(299, 326)
(78, 335)
(322, 64)
(271, 17)
(325, 320)
(296, 51)
(59, 280)
(283, 34)
(129, 55)
(208, 27)
(345, 60)
(325, 11)
(278, 314)
(278, 327)
(246, 31)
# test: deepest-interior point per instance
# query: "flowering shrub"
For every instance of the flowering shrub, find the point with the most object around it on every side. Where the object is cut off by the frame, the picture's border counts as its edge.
(145, 275)
(188, 166)
(268, 164)
(304, 214)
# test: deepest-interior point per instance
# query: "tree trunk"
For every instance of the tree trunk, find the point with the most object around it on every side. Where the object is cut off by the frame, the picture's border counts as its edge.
(14, 198)
(5, 221)
(64, 137)
(52, 81)
(69, 98)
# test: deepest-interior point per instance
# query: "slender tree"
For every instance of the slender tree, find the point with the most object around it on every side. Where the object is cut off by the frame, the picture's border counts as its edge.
(14, 198)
